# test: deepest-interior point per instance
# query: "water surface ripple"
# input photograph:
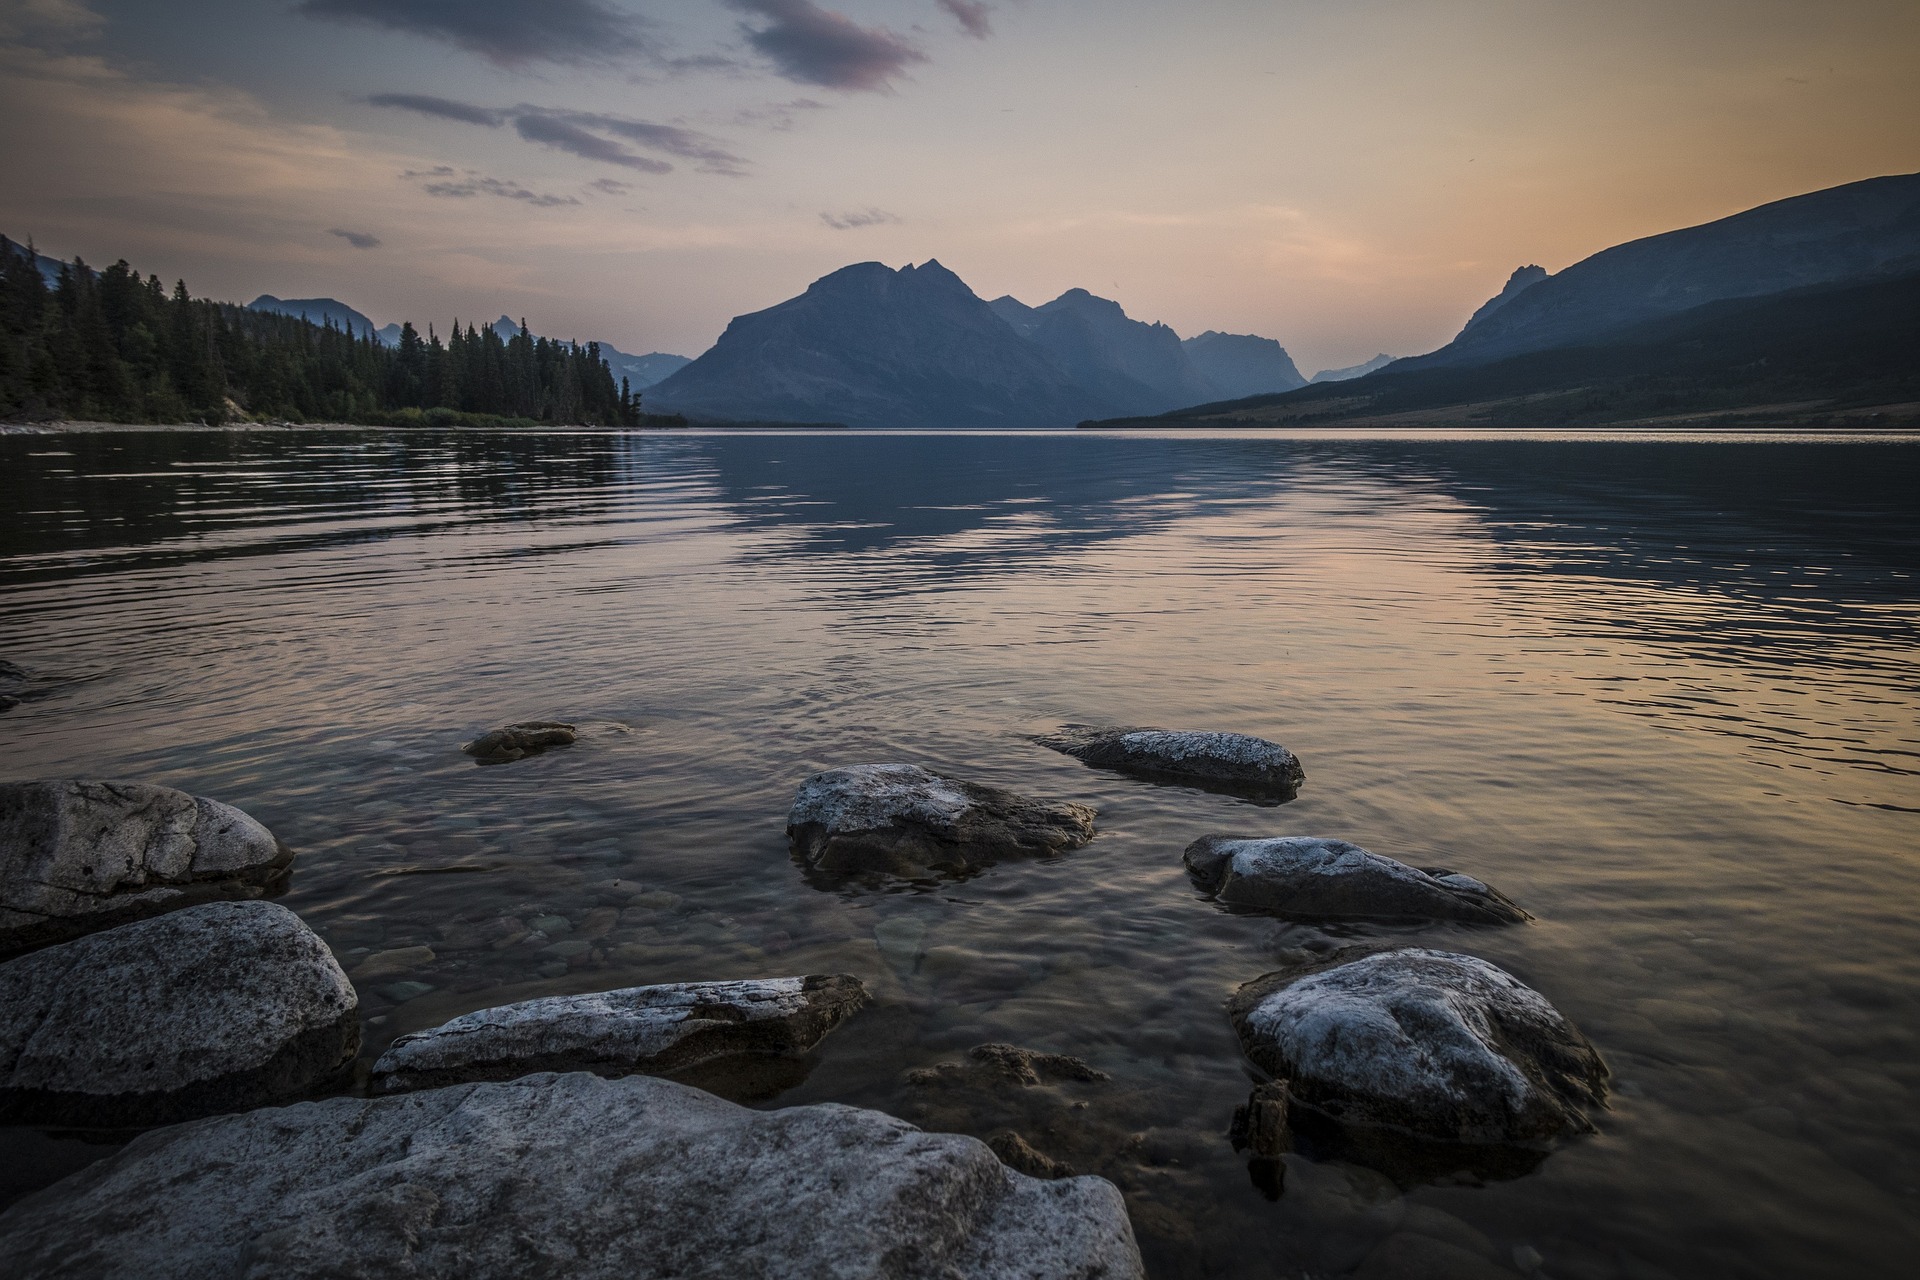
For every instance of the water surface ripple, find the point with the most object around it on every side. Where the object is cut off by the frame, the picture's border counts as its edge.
(1663, 694)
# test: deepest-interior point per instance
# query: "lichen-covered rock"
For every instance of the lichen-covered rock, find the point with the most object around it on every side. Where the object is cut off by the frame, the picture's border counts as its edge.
(1443, 1046)
(568, 1176)
(1310, 878)
(1232, 763)
(77, 856)
(212, 1008)
(672, 1029)
(905, 820)
(517, 741)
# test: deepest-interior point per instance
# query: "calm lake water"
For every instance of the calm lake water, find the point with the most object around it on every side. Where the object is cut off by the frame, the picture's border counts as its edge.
(1664, 694)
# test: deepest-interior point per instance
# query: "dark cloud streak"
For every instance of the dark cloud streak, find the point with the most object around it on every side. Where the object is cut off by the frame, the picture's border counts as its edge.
(358, 239)
(812, 45)
(862, 218)
(445, 108)
(509, 33)
(580, 133)
(971, 15)
(563, 135)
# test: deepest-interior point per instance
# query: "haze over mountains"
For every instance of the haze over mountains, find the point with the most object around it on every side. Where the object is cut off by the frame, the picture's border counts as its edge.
(871, 346)
(1802, 310)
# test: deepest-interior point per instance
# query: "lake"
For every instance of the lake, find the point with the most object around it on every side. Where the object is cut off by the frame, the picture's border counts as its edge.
(1661, 692)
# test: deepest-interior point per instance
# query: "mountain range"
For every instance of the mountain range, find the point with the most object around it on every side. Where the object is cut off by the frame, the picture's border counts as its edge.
(871, 346)
(1801, 311)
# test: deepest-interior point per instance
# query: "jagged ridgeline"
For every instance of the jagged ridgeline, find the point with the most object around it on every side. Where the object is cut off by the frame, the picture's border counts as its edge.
(109, 346)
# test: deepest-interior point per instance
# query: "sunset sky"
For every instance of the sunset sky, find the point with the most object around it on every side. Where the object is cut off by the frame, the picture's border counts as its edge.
(1348, 176)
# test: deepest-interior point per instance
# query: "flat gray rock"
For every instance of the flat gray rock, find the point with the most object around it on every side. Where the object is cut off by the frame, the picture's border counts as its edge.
(1232, 763)
(1442, 1046)
(212, 1008)
(1311, 878)
(672, 1029)
(77, 856)
(568, 1176)
(904, 820)
(517, 741)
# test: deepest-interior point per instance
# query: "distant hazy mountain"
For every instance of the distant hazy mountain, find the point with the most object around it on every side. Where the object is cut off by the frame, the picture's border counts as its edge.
(1353, 371)
(639, 371)
(1241, 364)
(49, 267)
(1517, 283)
(319, 311)
(874, 347)
(1844, 233)
(1828, 355)
(1119, 359)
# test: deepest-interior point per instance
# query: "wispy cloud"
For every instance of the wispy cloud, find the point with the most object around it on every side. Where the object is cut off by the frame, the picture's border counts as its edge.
(971, 15)
(563, 135)
(859, 218)
(812, 45)
(589, 135)
(55, 21)
(609, 186)
(444, 180)
(510, 33)
(776, 116)
(358, 239)
(445, 108)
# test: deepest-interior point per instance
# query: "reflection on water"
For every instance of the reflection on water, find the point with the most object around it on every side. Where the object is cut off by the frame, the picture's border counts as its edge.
(1662, 694)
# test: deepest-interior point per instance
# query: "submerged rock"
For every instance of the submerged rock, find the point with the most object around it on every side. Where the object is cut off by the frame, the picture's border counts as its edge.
(516, 741)
(1307, 877)
(1422, 1043)
(13, 679)
(571, 1176)
(213, 1008)
(993, 1064)
(1233, 763)
(77, 856)
(673, 1029)
(904, 820)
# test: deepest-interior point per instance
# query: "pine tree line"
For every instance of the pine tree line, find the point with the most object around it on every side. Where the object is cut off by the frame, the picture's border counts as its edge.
(108, 346)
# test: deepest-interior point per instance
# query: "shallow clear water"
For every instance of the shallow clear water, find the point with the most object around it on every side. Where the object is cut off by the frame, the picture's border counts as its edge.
(1663, 694)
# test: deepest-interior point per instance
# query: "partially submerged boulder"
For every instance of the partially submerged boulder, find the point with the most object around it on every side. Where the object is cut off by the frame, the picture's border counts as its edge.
(718, 1028)
(213, 1008)
(517, 741)
(572, 1176)
(76, 856)
(1311, 878)
(13, 679)
(904, 820)
(1232, 763)
(1424, 1044)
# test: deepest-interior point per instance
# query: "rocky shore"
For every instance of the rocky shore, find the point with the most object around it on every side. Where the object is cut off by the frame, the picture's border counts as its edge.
(150, 987)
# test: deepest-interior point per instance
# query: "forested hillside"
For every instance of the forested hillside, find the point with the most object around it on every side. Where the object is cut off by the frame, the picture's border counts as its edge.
(110, 346)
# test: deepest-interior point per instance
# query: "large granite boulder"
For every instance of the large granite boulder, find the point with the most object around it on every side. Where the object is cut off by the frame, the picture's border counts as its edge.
(213, 1008)
(904, 820)
(1310, 878)
(564, 1176)
(1230, 763)
(79, 856)
(688, 1030)
(1423, 1043)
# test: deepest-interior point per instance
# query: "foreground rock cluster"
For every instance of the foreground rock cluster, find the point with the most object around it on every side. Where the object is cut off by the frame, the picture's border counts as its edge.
(145, 1004)
(149, 988)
